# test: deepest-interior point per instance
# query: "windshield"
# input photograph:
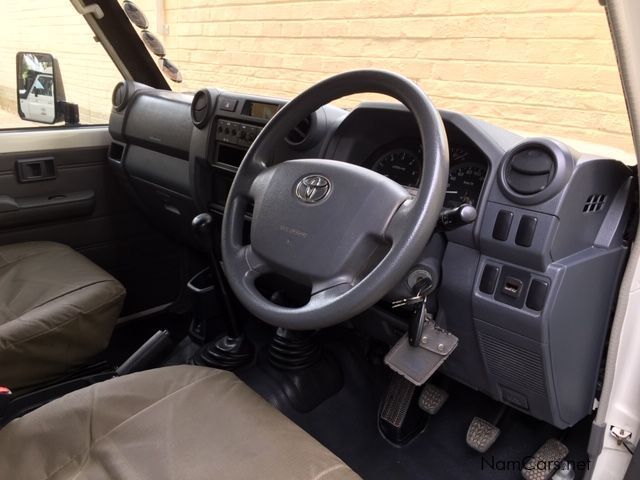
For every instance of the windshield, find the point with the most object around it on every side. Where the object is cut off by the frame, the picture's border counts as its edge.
(539, 67)
(543, 67)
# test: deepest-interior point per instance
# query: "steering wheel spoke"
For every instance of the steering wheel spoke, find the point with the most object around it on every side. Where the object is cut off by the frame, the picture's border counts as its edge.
(396, 229)
(246, 265)
(323, 293)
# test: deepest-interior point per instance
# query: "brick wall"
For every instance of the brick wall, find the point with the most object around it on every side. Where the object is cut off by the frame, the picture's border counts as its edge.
(543, 66)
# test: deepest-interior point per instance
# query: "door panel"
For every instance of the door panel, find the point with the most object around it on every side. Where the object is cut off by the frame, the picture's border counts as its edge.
(83, 205)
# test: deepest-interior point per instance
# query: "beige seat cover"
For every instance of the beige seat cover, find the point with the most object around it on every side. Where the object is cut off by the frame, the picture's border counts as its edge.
(57, 309)
(180, 423)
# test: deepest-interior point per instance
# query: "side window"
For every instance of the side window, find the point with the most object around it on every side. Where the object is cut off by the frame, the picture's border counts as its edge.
(43, 86)
(41, 31)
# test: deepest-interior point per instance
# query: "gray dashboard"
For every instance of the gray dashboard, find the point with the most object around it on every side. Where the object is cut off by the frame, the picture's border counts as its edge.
(528, 287)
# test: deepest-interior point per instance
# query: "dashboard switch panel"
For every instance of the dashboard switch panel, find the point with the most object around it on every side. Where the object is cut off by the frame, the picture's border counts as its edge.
(503, 225)
(526, 230)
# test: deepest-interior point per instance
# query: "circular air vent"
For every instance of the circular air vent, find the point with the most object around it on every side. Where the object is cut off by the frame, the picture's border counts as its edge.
(530, 171)
(200, 108)
(120, 96)
(307, 133)
(535, 170)
(300, 133)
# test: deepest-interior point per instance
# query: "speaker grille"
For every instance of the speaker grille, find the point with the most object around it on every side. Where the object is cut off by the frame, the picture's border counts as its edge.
(513, 364)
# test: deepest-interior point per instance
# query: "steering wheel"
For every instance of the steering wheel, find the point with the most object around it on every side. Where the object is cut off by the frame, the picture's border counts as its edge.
(347, 233)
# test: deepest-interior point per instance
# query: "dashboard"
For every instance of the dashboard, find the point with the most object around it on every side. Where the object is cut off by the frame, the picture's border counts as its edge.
(527, 286)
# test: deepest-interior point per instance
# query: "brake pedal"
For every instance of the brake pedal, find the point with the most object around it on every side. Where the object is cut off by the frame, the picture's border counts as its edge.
(482, 434)
(400, 419)
(547, 459)
(432, 398)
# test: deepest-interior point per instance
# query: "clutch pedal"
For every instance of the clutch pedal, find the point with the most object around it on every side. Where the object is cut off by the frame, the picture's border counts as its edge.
(432, 398)
(482, 434)
(543, 463)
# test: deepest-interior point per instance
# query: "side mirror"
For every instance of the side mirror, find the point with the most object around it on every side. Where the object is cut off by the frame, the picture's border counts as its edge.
(39, 90)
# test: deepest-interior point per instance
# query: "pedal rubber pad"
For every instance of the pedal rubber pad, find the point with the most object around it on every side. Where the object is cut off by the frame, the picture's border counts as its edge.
(432, 398)
(397, 401)
(481, 434)
(543, 463)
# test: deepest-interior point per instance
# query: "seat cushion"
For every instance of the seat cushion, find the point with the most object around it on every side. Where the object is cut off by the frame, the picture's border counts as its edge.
(57, 309)
(182, 422)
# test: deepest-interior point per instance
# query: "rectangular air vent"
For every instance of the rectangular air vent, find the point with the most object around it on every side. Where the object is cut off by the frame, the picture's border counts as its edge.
(513, 364)
(594, 203)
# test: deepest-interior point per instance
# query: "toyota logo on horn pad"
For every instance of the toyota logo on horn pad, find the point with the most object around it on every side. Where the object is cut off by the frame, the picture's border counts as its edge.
(312, 188)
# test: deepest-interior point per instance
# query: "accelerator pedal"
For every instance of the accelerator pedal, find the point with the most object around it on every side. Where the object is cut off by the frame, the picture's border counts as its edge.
(543, 463)
(432, 398)
(400, 420)
(482, 434)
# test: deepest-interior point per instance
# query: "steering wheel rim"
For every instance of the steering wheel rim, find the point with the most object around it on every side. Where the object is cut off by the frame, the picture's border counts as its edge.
(401, 222)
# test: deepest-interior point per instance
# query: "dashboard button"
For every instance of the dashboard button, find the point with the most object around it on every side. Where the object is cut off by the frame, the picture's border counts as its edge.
(526, 230)
(228, 104)
(503, 225)
(537, 295)
(489, 279)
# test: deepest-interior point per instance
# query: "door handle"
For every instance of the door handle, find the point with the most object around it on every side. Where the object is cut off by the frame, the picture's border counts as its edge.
(35, 169)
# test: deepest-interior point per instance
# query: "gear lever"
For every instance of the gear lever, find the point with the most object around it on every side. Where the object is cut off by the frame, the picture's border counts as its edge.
(232, 350)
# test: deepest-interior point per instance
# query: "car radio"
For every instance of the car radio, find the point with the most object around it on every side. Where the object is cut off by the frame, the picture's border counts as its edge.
(235, 133)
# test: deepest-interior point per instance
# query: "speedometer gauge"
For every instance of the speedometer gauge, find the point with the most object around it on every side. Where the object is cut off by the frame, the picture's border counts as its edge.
(465, 184)
(400, 165)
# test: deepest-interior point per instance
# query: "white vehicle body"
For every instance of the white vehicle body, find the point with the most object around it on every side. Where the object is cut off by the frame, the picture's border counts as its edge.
(39, 104)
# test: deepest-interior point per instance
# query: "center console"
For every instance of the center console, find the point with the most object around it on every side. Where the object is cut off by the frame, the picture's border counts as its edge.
(236, 127)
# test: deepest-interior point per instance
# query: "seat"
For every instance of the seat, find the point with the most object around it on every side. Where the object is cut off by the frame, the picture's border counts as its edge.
(181, 422)
(57, 309)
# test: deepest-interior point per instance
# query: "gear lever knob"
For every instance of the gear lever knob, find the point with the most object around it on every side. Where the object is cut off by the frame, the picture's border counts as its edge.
(201, 225)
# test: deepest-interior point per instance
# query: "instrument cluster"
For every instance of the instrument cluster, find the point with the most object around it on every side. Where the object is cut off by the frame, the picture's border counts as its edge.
(401, 161)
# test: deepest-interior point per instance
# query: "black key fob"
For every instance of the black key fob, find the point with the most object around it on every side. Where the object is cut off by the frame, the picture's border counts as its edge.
(416, 325)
